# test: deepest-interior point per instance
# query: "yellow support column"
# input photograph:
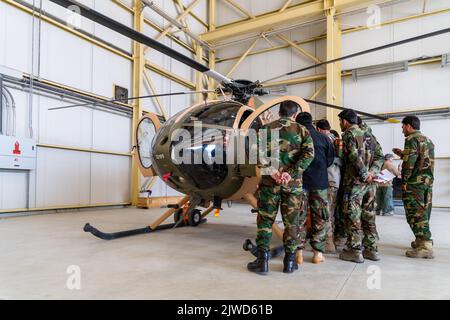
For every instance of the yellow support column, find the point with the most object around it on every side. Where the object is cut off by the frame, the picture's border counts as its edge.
(212, 54)
(138, 76)
(334, 80)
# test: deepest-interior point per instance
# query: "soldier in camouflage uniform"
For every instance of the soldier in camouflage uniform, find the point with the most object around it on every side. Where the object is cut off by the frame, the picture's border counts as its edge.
(334, 180)
(315, 185)
(417, 187)
(283, 188)
(363, 158)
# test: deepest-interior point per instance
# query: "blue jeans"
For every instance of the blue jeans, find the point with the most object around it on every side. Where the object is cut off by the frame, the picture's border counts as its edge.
(385, 199)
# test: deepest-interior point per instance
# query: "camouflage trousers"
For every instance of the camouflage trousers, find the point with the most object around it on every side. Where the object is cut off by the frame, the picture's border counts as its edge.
(417, 200)
(317, 201)
(270, 198)
(332, 202)
(359, 213)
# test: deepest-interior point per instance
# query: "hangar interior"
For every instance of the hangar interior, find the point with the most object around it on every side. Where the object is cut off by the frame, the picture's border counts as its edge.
(84, 166)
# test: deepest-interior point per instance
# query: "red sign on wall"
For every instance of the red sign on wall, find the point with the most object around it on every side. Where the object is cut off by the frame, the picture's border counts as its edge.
(17, 148)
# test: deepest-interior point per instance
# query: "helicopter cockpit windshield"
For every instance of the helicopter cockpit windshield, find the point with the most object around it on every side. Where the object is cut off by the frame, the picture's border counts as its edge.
(198, 148)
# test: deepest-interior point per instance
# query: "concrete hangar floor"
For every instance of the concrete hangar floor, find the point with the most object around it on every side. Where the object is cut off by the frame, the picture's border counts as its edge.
(39, 255)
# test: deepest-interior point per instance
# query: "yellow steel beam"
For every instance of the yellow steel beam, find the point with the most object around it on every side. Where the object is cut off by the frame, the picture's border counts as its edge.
(243, 56)
(171, 36)
(273, 48)
(123, 6)
(184, 20)
(261, 23)
(262, 15)
(285, 5)
(298, 48)
(237, 6)
(138, 74)
(291, 82)
(318, 91)
(334, 70)
(170, 75)
(193, 15)
(151, 86)
(344, 32)
(212, 54)
(179, 18)
(156, 27)
(112, 153)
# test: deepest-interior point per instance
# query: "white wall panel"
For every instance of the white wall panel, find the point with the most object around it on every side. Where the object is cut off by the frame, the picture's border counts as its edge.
(66, 58)
(66, 127)
(15, 49)
(379, 88)
(13, 186)
(441, 190)
(63, 178)
(67, 15)
(437, 130)
(115, 12)
(110, 179)
(423, 86)
(111, 132)
(109, 69)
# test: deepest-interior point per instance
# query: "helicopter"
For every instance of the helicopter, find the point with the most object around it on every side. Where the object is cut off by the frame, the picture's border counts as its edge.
(207, 184)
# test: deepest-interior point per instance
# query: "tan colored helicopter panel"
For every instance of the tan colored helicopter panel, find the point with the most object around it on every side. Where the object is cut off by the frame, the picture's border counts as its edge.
(303, 104)
(147, 172)
(240, 114)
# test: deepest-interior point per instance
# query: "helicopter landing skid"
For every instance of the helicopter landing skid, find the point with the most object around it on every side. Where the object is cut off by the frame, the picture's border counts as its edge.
(273, 253)
(128, 233)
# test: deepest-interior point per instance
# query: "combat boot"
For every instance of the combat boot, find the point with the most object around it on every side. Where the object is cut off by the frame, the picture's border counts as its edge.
(371, 254)
(414, 243)
(423, 249)
(290, 263)
(351, 255)
(261, 264)
(299, 257)
(329, 245)
(318, 257)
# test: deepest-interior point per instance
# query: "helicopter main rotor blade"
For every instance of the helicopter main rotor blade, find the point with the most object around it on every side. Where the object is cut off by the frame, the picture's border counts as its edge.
(386, 46)
(139, 37)
(131, 98)
(375, 116)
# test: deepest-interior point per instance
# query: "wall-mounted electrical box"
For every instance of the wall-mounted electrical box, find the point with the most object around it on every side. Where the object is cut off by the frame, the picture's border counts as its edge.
(17, 153)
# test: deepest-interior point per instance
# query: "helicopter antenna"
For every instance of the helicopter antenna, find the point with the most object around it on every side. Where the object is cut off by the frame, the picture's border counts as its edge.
(124, 100)
(386, 46)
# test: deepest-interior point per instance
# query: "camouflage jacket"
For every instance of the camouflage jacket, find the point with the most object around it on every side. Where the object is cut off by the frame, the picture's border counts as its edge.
(362, 154)
(295, 151)
(418, 160)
